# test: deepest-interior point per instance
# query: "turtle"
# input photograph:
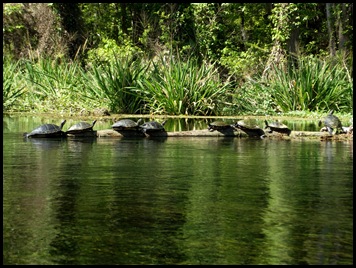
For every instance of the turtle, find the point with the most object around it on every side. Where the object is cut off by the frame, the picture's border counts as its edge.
(219, 125)
(81, 127)
(152, 126)
(332, 124)
(47, 131)
(277, 127)
(127, 124)
(250, 129)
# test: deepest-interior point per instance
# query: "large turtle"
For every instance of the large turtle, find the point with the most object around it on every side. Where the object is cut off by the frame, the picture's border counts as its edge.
(81, 127)
(277, 127)
(47, 131)
(332, 123)
(152, 126)
(127, 124)
(219, 125)
(250, 129)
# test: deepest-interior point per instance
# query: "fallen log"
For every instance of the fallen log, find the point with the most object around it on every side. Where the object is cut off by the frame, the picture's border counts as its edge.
(189, 133)
(230, 133)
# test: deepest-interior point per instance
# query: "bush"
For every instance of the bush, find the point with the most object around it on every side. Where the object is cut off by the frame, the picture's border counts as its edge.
(13, 86)
(177, 87)
(108, 51)
(312, 84)
(108, 83)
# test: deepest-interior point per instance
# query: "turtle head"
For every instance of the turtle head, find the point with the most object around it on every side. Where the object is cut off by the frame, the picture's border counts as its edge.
(238, 122)
(139, 121)
(164, 122)
(266, 123)
(93, 123)
(62, 124)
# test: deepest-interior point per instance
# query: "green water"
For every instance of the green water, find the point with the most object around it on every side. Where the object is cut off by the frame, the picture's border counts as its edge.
(175, 200)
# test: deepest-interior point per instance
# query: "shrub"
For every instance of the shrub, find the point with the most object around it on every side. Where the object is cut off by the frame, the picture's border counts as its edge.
(108, 83)
(13, 88)
(177, 87)
(312, 84)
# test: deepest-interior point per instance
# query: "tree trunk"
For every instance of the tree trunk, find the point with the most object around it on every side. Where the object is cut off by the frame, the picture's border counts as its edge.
(72, 23)
(342, 20)
(116, 27)
(293, 41)
(136, 8)
(269, 7)
(277, 56)
(124, 21)
(330, 30)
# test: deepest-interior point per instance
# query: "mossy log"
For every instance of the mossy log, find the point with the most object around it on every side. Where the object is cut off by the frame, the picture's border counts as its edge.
(228, 133)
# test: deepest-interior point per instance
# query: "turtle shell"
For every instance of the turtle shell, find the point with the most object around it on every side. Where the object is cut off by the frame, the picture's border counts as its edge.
(126, 124)
(152, 126)
(332, 122)
(46, 131)
(251, 129)
(277, 127)
(218, 125)
(81, 127)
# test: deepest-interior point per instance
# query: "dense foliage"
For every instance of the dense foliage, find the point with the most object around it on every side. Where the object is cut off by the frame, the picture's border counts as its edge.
(170, 58)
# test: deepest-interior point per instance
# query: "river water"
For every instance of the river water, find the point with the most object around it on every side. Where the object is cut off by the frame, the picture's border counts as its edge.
(175, 200)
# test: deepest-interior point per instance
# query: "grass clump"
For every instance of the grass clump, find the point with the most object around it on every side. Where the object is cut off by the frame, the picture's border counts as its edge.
(312, 84)
(182, 87)
(13, 87)
(54, 86)
(108, 83)
(168, 85)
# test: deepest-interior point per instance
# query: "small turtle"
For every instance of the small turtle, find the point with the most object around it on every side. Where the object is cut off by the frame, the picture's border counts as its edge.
(277, 127)
(47, 131)
(126, 124)
(219, 125)
(152, 126)
(332, 123)
(81, 127)
(250, 129)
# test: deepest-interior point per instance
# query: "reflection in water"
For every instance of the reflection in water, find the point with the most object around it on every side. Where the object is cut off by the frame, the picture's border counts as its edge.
(224, 201)
(301, 209)
(45, 143)
(177, 201)
(80, 144)
(65, 247)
